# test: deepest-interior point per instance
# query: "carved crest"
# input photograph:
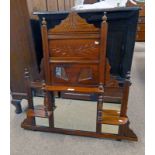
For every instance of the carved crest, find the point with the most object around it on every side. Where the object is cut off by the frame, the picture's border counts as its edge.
(74, 23)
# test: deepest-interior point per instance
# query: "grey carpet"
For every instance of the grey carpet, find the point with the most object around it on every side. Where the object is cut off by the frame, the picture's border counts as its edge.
(24, 142)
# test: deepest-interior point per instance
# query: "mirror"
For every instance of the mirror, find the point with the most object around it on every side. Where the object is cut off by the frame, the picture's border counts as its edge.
(77, 115)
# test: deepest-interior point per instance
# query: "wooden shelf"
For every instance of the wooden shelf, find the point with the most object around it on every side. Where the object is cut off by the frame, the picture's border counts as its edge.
(112, 117)
(66, 88)
(111, 112)
(113, 120)
(39, 111)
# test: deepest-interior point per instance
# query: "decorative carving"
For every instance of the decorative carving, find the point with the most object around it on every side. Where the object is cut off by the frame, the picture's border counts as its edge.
(104, 18)
(110, 81)
(78, 49)
(85, 74)
(74, 23)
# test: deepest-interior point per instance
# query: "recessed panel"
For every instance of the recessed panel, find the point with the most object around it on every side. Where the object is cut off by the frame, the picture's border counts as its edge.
(83, 48)
(74, 74)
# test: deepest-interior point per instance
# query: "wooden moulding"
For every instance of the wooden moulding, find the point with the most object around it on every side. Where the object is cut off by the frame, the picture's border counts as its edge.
(74, 89)
(129, 136)
(39, 85)
(58, 60)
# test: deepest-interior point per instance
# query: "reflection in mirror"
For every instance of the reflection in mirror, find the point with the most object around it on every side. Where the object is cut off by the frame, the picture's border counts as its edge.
(61, 73)
(40, 121)
(75, 114)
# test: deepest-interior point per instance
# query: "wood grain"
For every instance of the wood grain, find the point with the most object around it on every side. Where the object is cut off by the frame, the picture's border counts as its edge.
(111, 112)
(73, 89)
(72, 3)
(61, 5)
(113, 120)
(84, 48)
(52, 5)
(30, 6)
(102, 57)
(22, 53)
(39, 5)
(67, 5)
(45, 49)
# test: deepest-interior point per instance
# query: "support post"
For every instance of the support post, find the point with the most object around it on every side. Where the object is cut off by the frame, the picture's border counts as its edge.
(123, 129)
(49, 104)
(99, 113)
(31, 119)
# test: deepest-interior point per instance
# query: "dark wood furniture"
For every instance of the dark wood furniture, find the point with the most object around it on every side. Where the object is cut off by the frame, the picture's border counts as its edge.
(140, 35)
(75, 61)
(22, 52)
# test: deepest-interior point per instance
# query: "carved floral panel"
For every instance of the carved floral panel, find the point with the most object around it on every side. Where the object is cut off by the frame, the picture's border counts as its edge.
(88, 48)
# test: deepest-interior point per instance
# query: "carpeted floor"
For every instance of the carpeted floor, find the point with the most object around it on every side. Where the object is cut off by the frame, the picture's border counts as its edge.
(24, 142)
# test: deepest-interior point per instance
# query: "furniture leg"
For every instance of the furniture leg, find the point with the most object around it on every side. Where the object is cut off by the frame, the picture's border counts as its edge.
(124, 102)
(31, 119)
(52, 98)
(28, 89)
(16, 100)
(50, 106)
(17, 104)
(124, 130)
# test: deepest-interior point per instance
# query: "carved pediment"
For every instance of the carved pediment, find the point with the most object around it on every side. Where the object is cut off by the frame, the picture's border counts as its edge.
(73, 23)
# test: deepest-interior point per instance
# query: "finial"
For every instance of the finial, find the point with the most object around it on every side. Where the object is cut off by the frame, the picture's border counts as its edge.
(44, 21)
(101, 87)
(104, 18)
